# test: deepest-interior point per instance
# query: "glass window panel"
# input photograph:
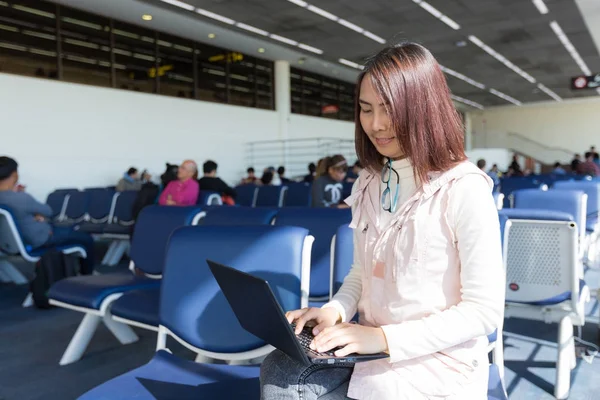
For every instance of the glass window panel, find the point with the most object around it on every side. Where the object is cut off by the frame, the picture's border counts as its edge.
(134, 58)
(176, 70)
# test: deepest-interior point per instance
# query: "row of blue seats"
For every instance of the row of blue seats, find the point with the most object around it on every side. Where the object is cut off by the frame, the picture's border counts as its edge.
(293, 194)
(188, 303)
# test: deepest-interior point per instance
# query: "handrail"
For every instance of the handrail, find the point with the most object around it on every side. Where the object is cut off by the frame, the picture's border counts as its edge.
(525, 138)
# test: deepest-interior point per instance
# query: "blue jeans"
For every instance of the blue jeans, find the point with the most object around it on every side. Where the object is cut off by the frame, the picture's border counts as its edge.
(282, 378)
(62, 236)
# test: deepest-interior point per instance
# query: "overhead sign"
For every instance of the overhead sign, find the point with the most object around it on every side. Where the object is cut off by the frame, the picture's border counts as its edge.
(585, 82)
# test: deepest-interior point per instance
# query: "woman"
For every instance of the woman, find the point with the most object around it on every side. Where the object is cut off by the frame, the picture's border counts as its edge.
(327, 188)
(427, 279)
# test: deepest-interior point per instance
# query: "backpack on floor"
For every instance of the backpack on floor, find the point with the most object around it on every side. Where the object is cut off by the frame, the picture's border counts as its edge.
(50, 268)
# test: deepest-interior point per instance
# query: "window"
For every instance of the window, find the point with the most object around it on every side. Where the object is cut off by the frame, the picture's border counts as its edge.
(320, 96)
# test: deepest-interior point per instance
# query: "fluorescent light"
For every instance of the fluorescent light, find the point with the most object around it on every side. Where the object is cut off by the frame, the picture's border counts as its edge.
(466, 101)
(217, 17)
(299, 3)
(570, 48)
(541, 6)
(350, 25)
(501, 58)
(322, 12)
(549, 92)
(343, 22)
(251, 28)
(351, 64)
(39, 35)
(43, 52)
(283, 39)
(430, 9)
(505, 97)
(310, 48)
(12, 46)
(34, 11)
(179, 4)
(374, 37)
(438, 14)
(450, 22)
(462, 77)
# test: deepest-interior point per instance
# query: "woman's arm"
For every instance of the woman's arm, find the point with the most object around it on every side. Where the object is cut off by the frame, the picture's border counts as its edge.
(346, 299)
(475, 219)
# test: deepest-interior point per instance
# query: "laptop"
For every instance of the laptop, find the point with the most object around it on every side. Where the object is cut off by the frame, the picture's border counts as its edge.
(259, 313)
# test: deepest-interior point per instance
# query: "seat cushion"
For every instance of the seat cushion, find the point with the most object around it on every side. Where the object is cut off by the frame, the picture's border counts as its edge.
(169, 377)
(117, 229)
(495, 387)
(91, 227)
(89, 291)
(139, 306)
(40, 251)
(556, 299)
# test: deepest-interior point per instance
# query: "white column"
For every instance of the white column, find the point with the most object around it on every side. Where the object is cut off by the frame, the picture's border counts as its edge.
(283, 105)
(468, 132)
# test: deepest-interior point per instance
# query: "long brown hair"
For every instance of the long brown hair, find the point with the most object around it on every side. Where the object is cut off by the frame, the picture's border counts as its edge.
(413, 88)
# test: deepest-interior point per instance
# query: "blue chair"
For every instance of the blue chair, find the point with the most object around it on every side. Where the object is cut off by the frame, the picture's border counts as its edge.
(194, 311)
(543, 279)
(208, 198)
(573, 202)
(227, 216)
(99, 212)
(57, 200)
(592, 190)
(119, 227)
(11, 244)
(76, 209)
(246, 195)
(322, 224)
(122, 219)
(93, 295)
(270, 196)
(140, 307)
(298, 195)
(512, 184)
(342, 258)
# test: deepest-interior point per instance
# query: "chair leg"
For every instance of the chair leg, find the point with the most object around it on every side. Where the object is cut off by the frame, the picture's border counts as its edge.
(28, 302)
(123, 332)
(566, 352)
(109, 253)
(80, 339)
(203, 359)
(12, 273)
(119, 250)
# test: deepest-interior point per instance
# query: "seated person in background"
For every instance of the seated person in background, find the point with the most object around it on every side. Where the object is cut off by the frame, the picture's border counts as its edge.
(575, 163)
(251, 179)
(33, 217)
(589, 167)
(267, 178)
(353, 173)
(312, 170)
(212, 183)
(130, 181)
(327, 189)
(184, 190)
(558, 169)
(282, 178)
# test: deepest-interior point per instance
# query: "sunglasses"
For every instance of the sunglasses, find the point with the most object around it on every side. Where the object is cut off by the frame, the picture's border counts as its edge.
(389, 203)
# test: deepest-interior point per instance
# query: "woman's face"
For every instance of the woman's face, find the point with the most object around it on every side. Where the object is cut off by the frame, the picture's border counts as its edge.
(337, 174)
(376, 122)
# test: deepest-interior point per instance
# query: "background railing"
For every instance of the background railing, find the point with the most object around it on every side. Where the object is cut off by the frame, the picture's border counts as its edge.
(296, 154)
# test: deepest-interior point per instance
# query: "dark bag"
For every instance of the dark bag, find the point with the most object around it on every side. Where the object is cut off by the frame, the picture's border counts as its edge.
(147, 195)
(50, 268)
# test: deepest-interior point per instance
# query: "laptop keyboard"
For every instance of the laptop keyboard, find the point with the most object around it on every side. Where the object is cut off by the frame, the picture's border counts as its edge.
(306, 337)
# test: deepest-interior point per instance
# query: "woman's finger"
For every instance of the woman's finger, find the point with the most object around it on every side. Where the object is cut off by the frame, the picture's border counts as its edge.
(309, 315)
(295, 314)
(349, 349)
(343, 339)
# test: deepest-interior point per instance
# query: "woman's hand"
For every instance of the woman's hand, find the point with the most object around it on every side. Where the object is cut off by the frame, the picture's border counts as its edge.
(324, 317)
(353, 338)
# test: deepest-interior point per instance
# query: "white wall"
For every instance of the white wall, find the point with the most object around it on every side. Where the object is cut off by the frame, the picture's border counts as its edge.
(501, 157)
(569, 127)
(68, 135)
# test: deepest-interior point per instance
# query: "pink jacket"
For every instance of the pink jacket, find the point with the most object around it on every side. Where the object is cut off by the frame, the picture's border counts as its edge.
(182, 193)
(433, 280)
